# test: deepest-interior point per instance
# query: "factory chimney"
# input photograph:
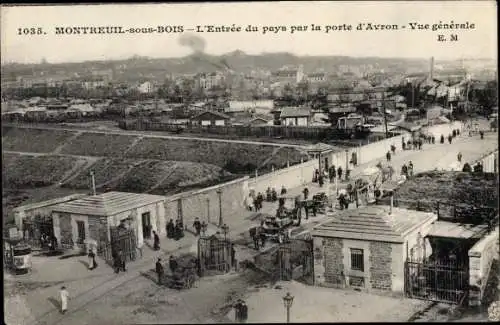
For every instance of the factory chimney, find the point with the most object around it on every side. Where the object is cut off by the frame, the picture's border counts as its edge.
(431, 71)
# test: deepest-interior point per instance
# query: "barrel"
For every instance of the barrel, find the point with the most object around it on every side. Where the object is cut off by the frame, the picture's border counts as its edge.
(22, 259)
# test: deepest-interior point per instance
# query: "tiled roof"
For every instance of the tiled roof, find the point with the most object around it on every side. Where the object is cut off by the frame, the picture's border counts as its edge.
(107, 204)
(294, 112)
(373, 223)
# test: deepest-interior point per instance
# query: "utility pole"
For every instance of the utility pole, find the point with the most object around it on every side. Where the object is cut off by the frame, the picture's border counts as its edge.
(385, 115)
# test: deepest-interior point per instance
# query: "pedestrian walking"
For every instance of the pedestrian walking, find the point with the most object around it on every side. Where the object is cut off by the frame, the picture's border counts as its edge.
(481, 134)
(420, 143)
(410, 168)
(159, 271)
(449, 138)
(121, 258)
(237, 311)
(393, 149)
(442, 139)
(91, 256)
(388, 156)
(305, 191)
(255, 238)
(321, 181)
(333, 172)
(459, 157)
(170, 229)
(433, 139)
(244, 312)
(197, 226)
(63, 293)
(283, 190)
(339, 172)
(172, 264)
(156, 241)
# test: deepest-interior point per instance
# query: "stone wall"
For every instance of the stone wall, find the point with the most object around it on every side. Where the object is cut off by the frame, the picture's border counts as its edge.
(380, 265)
(98, 229)
(205, 204)
(481, 257)
(333, 261)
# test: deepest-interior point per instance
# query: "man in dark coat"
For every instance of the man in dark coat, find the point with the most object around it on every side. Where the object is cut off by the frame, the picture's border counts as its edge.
(442, 139)
(197, 226)
(244, 312)
(388, 156)
(170, 229)
(255, 238)
(283, 190)
(159, 270)
(237, 311)
(172, 263)
(449, 138)
(339, 172)
(156, 241)
(332, 172)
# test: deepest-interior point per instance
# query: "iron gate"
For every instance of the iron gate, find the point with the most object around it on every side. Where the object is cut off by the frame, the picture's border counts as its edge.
(214, 255)
(123, 240)
(35, 227)
(437, 282)
(297, 254)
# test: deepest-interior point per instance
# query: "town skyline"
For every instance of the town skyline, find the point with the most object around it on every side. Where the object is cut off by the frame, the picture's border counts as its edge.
(407, 43)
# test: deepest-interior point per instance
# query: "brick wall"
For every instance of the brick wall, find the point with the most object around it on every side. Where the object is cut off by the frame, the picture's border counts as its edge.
(333, 261)
(380, 265)
(98, 229)
(481, 257)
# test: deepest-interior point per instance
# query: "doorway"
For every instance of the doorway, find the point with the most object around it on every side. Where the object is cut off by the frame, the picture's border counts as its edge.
(146, 225)
(80, 225)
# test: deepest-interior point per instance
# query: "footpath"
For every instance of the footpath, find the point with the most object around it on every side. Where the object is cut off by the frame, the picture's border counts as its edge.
(134, 270)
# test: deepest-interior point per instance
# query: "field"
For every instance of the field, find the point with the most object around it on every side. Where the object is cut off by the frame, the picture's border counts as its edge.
(101, 145)
(233, 157)
(33, 140)
(105, 170)
(21, 171)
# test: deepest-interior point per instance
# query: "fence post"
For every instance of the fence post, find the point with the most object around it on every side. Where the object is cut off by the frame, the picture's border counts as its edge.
(437, 207)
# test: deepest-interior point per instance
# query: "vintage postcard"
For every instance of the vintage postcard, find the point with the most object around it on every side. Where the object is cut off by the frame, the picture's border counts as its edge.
(250, 162)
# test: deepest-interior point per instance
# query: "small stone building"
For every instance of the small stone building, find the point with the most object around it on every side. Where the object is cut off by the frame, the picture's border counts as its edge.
(366, 248)
(90, 218)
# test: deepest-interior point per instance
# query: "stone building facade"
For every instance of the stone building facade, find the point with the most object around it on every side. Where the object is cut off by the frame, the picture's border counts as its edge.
(366, 248)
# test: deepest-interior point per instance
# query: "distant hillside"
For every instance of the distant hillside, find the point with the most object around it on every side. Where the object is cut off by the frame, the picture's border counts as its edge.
(237, 61)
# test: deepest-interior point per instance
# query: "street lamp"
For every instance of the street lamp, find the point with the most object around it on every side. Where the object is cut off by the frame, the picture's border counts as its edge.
(225, 229)
(219, 193)
(288, 301)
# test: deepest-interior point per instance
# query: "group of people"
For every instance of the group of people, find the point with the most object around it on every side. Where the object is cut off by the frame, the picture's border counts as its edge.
(175, 231)
(478, 168)
(334, 172)
(199, 226)
(160, 270)
(271, 195)
(415, 144)
(48, 241)
(240, 311)
(407, 170)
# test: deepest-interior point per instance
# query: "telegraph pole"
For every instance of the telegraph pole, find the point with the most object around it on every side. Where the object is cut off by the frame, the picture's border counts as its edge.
(385, 115)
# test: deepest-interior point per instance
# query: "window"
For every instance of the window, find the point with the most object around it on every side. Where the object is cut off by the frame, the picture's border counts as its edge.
(357, 260)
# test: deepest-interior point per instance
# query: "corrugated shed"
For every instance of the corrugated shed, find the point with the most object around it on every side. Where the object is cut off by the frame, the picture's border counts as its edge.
(373, 223)
(107, 204)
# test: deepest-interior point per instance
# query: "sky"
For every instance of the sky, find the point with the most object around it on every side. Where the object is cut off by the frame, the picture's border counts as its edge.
(480, 42)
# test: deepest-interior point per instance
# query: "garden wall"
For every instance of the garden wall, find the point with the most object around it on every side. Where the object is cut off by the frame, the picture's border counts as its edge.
(205, 203)
(481, 257)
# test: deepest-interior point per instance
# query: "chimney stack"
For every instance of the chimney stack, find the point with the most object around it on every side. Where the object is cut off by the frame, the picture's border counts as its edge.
(431, 72)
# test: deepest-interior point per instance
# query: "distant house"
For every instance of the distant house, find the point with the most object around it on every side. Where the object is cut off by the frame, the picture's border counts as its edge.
(252, 119)
(209, 118)
(256, 106)
(295, 116)
(145, 87)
